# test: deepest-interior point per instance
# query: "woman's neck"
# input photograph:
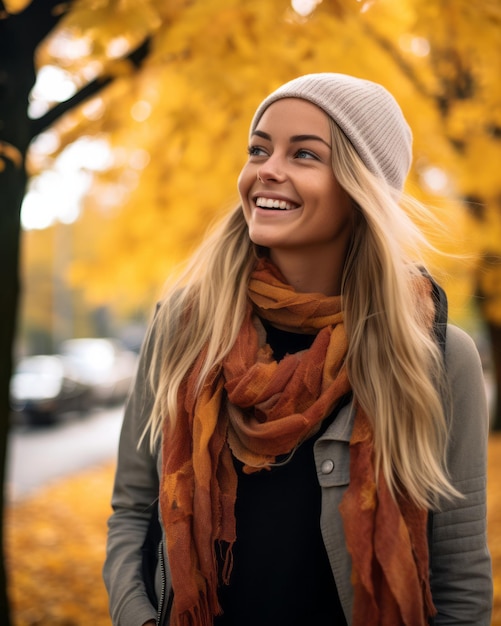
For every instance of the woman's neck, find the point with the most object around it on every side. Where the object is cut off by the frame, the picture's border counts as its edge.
(312, 272)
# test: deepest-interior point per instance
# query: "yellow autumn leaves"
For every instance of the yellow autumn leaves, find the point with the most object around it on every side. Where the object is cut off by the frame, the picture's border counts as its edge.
(188, 107)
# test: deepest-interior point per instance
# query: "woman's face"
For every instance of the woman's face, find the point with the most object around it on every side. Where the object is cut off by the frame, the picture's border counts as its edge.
(290, 197)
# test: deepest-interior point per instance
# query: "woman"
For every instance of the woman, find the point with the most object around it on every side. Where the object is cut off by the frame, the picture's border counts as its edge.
(318, 454)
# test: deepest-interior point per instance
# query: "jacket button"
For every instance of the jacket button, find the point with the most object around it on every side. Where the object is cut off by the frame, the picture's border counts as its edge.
(327, 466)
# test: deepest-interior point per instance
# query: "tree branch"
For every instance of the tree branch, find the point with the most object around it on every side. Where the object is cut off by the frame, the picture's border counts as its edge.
(136, 58)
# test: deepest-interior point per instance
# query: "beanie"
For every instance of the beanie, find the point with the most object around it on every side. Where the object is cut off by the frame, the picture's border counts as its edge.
(365, 111)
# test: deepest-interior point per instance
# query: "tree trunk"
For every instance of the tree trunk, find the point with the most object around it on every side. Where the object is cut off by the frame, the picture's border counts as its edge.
(14, 89)
(19, 36)
(12, 182)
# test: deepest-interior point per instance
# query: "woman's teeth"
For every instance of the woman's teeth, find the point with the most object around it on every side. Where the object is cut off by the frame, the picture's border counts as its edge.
(269, 203)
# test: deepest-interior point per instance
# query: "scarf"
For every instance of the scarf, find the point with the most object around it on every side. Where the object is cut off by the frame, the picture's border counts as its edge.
(255, 408)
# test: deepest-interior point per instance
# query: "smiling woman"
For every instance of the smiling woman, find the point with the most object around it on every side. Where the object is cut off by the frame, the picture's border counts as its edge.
(292, 202)
(311, 428)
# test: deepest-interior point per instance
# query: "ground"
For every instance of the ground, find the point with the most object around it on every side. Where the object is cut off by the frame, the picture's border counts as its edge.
(55, 548)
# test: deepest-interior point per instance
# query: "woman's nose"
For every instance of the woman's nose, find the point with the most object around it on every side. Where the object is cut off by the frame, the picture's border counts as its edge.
(272, 170)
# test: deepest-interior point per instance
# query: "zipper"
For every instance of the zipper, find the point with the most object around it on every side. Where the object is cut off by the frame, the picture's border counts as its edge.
(162, 591)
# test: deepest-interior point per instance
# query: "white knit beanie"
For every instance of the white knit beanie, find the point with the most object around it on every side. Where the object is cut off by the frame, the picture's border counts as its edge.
(367, 114)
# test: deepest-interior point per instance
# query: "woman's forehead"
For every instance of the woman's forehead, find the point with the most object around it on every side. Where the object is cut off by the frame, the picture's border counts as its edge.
(295, 115)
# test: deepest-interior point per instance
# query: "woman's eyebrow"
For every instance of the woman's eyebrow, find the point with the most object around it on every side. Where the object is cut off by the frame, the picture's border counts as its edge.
(294, 138)
(260, 133)
(297, 138)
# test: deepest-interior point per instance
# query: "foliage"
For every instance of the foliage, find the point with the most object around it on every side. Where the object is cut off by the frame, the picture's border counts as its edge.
(19, 36)
(177, 124)
(55, 548)
(177, 129)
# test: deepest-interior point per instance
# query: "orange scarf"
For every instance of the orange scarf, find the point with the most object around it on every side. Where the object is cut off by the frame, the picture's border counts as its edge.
(256, 409)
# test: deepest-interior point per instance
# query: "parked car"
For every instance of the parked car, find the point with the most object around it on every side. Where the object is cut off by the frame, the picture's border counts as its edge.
(103, 365)
(43, 388)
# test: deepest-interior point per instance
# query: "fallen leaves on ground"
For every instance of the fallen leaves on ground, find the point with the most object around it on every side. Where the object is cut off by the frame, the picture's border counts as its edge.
(55, 548)
(55, 544)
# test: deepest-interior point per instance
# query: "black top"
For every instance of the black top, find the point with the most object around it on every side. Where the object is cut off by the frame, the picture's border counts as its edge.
(281, 574)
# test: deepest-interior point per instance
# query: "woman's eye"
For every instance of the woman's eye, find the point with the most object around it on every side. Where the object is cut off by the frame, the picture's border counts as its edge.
(305, 154)
(256, 151)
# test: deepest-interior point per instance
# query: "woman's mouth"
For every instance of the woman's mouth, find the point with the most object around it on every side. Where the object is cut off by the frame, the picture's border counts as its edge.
(271, 203)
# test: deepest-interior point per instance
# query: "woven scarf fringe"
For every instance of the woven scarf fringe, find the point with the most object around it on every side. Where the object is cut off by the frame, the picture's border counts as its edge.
(199, 615)
(226, 554)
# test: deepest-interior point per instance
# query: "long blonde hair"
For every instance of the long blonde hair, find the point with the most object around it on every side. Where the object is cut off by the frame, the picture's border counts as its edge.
(394, 365)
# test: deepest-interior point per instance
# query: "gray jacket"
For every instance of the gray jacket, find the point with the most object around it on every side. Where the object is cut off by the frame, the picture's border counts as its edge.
(460, 565)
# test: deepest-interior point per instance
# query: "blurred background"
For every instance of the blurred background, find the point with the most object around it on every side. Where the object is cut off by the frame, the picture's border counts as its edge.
(123, 127)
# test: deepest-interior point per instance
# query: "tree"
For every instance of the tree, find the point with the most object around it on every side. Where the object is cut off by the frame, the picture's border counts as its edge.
(184, 118)
(20, 35)
(175, 86)
(461, 84)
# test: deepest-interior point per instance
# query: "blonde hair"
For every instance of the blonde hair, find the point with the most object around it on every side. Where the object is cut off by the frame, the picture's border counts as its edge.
(205, 307)
(394, 365)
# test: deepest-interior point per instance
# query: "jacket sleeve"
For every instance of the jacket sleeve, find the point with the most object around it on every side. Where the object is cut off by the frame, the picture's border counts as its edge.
(461, 575)
(135, 491)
